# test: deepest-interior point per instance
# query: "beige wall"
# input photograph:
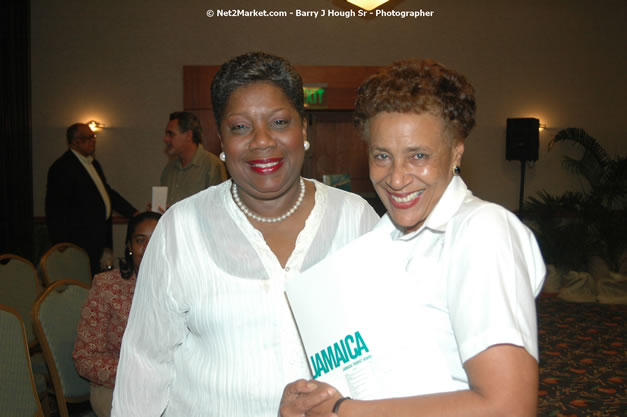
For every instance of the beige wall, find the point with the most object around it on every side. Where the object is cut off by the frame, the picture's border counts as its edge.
(120, 62)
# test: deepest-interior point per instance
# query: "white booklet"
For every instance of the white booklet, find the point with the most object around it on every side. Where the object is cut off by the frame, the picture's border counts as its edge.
(359, 320)
(159, 198)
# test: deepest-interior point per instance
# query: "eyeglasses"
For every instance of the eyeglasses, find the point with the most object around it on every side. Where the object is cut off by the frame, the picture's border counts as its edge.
(85, 138)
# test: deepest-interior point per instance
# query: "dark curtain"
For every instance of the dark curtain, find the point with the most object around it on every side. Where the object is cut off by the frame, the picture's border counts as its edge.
(16, 173)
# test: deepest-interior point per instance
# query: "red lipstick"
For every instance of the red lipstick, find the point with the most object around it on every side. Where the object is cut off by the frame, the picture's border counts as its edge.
(402, 204)
(266, 166)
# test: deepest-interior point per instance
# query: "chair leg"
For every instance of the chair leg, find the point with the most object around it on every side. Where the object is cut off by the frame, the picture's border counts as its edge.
(45, 405)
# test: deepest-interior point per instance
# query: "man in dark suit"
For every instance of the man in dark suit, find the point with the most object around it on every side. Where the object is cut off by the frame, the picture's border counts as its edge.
(79, 201)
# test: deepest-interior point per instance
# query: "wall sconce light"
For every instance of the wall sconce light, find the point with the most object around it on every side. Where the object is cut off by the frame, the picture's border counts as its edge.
(95, 126)
(542, 127)
(367, 4)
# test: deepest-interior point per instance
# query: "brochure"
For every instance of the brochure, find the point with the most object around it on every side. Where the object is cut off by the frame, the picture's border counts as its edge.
(358, 316)
(159, 198)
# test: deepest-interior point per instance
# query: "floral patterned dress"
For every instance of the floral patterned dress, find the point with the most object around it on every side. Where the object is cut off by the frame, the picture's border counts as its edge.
(101, 327)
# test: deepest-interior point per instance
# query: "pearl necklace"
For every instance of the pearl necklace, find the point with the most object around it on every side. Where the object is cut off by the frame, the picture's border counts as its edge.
(252, 215)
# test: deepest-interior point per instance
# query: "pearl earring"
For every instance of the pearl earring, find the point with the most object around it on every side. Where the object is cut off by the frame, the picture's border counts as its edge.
(307, 145)
(222, 157)
(130, 252)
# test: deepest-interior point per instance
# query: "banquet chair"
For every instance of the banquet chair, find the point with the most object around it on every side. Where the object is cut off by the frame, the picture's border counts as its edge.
(65, 261)
(56, 314)
(18, 395)
(19, 288)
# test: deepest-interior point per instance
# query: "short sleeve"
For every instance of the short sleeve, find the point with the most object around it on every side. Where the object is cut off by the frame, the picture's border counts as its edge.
(495, 272)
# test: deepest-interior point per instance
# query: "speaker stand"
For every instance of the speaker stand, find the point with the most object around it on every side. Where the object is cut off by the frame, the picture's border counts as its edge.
(522, 188)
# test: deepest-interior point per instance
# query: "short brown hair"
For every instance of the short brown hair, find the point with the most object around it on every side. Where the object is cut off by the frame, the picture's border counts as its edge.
(418, 86)
(188, 121)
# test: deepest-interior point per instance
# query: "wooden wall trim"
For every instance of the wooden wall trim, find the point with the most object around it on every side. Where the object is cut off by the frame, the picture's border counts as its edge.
(342, 82)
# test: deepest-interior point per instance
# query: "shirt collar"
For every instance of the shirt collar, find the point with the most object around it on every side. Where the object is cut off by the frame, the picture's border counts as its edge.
(445, 208)
(195, 158)
(85, 159)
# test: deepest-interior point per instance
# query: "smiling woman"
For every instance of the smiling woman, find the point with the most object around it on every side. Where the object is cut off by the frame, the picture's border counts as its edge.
(410, 164)
(477, 266)
(210, 332)
(263, 138)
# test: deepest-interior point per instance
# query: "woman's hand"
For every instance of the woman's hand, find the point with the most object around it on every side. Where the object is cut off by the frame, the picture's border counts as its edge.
(308, 398)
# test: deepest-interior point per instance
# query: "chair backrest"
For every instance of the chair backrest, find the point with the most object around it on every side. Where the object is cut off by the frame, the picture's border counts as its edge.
(19, 288)
(18, 395)
(56, 314)
(65, 261)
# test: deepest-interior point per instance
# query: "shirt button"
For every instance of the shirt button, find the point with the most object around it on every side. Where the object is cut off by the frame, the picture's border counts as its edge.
(287, 269)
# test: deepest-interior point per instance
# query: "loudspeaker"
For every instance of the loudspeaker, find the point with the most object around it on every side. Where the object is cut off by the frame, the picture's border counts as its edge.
(523, 139)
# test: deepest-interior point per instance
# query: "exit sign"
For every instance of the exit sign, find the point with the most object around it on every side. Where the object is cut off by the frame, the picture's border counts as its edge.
(315, 96)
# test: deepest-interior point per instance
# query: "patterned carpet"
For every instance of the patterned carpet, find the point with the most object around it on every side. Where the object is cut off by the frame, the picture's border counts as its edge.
(583, 366)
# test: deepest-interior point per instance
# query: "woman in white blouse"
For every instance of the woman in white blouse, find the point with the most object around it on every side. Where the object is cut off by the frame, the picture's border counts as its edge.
(210, 332)
(475, 266)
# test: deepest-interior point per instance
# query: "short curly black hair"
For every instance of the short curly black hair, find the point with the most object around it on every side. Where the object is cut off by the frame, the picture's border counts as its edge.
(251, 68)
(418, 86)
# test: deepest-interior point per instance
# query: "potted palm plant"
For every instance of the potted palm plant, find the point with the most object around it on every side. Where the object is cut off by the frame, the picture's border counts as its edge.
(576, 226)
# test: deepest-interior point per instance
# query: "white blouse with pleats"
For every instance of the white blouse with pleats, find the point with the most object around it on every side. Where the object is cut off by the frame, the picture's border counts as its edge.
(210, 332)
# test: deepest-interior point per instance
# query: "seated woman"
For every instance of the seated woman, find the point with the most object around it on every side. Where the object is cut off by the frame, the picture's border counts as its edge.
(210, 332)
(104, 315)
(479, 268)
